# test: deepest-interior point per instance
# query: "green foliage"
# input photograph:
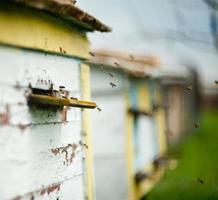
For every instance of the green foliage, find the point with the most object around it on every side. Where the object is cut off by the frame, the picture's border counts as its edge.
(196, 176)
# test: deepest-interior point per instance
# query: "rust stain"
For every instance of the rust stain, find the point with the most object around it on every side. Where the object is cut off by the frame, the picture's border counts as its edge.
(72, 157)
(53, 188)
(23, 127)
(112, 84)
(5, 116)
(16, 198)
(17, 86)
(49, 189)
(68, 151)
(43, 191)
(55, 151)
(63, 113)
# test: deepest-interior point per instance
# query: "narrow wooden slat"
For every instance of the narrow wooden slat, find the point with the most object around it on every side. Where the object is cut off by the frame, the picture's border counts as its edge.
(55, 101)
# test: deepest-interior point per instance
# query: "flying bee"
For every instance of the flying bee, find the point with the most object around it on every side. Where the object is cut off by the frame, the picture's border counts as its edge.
(200, 181)
(110, 74)
(61, 50)
(112, 84)
(117, 64)
(61, 88)
(99, 109)
(131, 57)
(189, 88)
(73, 98)
(85, 145)
(91, 53)
(196, 125)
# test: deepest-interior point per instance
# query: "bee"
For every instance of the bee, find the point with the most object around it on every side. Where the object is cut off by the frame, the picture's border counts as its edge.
(61, 87)
(22, 126)
(131, 57)
(85, 145)
(73, 98)
(91, 53)
(200, 181)
(189, 88)
(110, 74)
(196, 125)
(112, 84)
(99, 109)
(61, 50)
(117, 64)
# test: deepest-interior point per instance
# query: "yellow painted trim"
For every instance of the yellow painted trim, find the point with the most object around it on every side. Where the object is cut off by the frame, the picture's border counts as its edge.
(28, 28)
(130, 152)
(161, 126)
(145, 186)
(144, 97)
(87, 138)
(56, 101)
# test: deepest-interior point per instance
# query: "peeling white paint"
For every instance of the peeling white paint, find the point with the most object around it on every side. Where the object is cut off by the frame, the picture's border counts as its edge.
(28, 139)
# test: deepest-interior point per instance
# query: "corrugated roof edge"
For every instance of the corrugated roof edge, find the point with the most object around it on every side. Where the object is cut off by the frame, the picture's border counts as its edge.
(65, 9)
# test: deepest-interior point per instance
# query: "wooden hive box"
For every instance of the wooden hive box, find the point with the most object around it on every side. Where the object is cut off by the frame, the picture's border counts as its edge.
(128, 135)
(44, 85)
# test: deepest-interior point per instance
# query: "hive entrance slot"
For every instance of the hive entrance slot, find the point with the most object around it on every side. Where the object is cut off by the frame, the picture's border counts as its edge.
(56, 98)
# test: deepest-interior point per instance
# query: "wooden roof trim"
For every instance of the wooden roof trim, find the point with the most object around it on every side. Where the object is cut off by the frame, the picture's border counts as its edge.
(66, 9)
(132, 64)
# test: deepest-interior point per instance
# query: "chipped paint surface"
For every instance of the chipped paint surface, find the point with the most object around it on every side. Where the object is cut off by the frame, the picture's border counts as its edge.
(41, 151)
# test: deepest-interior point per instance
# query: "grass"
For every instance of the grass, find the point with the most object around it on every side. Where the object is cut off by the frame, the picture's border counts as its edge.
(196, 176)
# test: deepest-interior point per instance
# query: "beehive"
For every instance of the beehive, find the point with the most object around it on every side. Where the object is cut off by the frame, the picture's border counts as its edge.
(128, 135)
(44, 85)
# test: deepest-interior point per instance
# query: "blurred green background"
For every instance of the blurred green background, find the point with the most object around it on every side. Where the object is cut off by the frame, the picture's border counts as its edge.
(196, 177)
